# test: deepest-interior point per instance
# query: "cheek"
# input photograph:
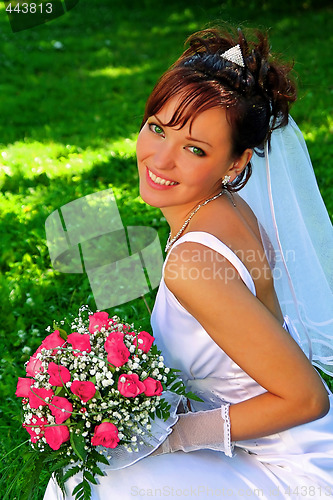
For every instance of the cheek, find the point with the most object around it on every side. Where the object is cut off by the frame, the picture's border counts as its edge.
(142, 144)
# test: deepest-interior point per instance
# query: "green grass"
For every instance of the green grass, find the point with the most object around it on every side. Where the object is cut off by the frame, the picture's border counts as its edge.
(69, 120)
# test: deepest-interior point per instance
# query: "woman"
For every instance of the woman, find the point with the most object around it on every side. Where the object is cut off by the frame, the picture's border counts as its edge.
(264, 427)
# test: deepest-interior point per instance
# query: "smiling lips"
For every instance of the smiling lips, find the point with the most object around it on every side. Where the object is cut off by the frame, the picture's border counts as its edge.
(160, 181)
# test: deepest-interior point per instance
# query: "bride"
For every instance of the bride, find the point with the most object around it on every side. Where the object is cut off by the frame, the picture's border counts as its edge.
(232, 313)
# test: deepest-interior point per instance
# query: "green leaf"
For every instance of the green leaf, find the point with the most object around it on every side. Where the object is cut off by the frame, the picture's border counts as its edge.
(87, 475)
(60, 391)
(102, 459)
(98, 471)
(191, 395)
(71, 472)
(78, 444)
(77, 488)
(63, 333)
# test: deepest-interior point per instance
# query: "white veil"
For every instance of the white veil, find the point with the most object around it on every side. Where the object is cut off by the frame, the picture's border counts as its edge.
(297, 234)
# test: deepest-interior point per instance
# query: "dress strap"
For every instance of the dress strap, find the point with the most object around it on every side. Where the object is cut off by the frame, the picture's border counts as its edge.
(215, 244)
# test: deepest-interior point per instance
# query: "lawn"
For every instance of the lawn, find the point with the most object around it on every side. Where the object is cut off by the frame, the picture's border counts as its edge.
(73, 93)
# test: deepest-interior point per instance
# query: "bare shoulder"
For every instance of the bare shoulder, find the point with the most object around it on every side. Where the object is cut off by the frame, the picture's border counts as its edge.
(192, 267)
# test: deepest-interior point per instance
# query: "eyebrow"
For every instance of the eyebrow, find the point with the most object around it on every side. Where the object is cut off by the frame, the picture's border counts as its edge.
(189, 138)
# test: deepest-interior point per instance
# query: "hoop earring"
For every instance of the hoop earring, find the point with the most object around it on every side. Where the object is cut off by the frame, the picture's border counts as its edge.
(226, 180)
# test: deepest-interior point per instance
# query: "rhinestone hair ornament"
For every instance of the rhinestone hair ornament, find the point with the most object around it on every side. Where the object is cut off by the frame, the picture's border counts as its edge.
(234, 55)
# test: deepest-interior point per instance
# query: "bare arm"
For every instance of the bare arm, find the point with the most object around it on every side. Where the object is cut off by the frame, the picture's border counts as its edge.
(247, 331)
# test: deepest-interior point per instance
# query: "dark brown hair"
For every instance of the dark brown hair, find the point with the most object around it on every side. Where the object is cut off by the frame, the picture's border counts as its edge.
(256, 97)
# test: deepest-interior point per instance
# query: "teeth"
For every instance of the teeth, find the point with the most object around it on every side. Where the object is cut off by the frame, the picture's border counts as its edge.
(159, 180)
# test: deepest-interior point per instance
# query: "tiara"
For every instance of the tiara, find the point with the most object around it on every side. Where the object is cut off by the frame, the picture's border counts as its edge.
(234, 55)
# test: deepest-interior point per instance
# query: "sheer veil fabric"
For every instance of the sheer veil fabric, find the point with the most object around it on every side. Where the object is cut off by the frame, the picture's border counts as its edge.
(298, 239)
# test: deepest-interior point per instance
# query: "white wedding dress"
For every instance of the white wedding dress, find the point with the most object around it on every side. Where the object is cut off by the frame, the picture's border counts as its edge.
(293, 464)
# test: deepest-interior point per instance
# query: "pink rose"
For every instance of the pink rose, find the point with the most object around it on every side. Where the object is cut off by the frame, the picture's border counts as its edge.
(144, 341)
(56, 435)
(152, 387)
(118, 354)
(52, 341)
(59, 375)
(35, 424)
(85, 390)
(106, 434)
(34, 365)
(37, 397)
(130, 385)
(97, 321)
(79, 341)
(61, 409)
(23, 387)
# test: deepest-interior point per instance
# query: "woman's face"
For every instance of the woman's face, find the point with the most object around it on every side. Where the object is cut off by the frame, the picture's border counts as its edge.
(179, 166)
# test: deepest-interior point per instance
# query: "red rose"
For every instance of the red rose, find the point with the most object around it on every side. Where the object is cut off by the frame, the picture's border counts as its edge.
(56, 435)
(152, 387)
(23, 387)
(113, 338)
(118, 354)
(144, 341)
(85, 390)
(106, 434)
(34, 365)
(52, 341)
(97, 321)
(61, 409)
(79, 341)
(130, 385)
(59, 375)
(37, 397)
(35, 424)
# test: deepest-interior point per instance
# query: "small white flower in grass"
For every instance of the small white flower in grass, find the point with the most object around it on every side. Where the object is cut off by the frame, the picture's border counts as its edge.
(133, 439)
(159, 377)
(122, 380)
(160, 364)
(166, 370)
(148, 427)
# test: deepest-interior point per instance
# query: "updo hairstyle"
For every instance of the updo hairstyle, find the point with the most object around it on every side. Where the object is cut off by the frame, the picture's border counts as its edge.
(256, 97)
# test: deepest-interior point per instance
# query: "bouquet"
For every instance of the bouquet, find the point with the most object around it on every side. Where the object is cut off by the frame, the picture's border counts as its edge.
(95, 397)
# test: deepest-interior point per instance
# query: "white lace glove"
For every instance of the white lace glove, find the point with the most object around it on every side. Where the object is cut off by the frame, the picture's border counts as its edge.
(208, 429)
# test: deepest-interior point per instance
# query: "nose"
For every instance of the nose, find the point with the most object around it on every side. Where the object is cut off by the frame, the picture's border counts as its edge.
(164, 156)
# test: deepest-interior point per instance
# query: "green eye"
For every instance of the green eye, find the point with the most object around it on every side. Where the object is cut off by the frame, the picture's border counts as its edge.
(156, 128)
(196, 151)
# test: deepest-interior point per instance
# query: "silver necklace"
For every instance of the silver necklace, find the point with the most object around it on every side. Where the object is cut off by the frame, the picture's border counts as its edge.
(170, 240)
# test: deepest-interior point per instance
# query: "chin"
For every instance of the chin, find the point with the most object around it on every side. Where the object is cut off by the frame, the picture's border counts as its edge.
(152, 199)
